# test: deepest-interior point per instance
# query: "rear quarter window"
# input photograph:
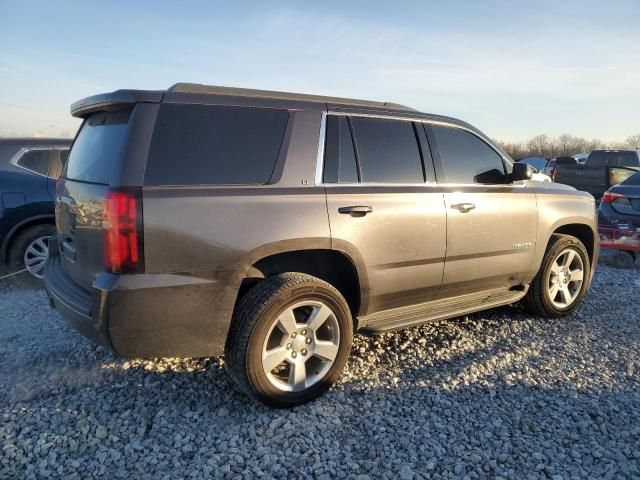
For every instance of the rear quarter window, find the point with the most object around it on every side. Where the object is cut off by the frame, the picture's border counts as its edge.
(214, 145)
(36, 161)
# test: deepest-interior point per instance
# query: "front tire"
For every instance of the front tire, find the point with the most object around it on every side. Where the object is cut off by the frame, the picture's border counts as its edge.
(289, 340)
(561, 283)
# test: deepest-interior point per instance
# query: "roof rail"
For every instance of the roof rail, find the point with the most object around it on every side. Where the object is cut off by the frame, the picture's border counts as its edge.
(246, 92)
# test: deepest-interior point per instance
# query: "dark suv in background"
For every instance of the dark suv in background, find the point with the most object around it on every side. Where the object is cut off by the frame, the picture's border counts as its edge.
(29, 168)
(270, 226)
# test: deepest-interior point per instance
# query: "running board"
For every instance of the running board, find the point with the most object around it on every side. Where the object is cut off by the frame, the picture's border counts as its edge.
(439, 309)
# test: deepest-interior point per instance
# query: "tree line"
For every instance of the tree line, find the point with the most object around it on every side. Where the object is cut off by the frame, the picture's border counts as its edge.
(562, 146)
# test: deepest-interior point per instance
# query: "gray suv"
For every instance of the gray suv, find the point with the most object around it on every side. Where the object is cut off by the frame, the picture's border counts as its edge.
(269, 227)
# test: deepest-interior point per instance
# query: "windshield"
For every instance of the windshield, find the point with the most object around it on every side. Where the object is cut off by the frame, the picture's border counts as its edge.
(98, 147)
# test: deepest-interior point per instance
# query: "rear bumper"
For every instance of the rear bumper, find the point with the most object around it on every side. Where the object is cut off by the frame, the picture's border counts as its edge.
(82, 309)
(146, 316)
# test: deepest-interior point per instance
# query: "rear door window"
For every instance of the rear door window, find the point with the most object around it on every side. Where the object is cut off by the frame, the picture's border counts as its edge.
(465, 158)
(98, 147)
(388, 151)
(36, 161)
(214, 145)
(340, 159)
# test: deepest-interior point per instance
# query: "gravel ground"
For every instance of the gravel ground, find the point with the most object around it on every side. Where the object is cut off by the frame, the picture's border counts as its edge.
(497, 394)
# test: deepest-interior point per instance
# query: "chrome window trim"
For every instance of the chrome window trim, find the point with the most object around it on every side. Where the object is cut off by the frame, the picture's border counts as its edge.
(24, 150)
(322, 140)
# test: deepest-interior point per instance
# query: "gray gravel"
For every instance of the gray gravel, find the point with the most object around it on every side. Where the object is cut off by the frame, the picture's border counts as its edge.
(498, 394)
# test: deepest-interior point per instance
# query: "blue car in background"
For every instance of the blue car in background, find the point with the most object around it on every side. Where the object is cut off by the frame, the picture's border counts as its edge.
(29, 168)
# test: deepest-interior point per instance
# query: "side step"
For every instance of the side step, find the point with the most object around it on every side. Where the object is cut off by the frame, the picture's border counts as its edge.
(438, 309)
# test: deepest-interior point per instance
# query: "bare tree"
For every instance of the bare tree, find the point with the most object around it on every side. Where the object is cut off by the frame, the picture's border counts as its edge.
(634, 141)
(539, 145)
(566, 144)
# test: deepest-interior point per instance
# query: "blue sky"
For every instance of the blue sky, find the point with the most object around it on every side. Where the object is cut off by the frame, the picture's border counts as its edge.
(514, 69)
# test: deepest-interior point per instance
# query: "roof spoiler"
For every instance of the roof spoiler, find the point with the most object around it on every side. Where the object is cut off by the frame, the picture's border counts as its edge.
(117, 100)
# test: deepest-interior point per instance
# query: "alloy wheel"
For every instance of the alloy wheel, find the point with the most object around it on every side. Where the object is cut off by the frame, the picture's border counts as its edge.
(565, 278)
(36, 255)
(301, 346)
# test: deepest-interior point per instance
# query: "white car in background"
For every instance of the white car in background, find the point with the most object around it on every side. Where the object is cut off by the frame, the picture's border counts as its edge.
(581, 157)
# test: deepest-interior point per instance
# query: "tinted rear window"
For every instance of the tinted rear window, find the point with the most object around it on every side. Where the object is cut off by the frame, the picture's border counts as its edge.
(387, 151)
(98, 147)
(214, 145)
(36, 161)
(613, 159)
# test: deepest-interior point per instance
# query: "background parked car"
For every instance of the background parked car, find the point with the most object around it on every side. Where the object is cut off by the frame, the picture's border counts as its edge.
(621, 204)
(602, 169)
(549, 169)
(619, 221)
(28, 170)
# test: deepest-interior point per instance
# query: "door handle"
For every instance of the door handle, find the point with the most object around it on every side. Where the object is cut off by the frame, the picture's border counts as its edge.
(464, 207)
(356, 210)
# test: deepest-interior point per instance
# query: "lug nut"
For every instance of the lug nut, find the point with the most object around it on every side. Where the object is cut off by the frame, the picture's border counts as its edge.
(293, 335)
(308, 340)
(294, 354)
(288, 346)
(303, 351)
(303, 332)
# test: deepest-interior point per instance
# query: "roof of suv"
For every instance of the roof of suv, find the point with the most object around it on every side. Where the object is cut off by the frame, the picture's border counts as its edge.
(104, 101)
(246, 92)
(194, 93)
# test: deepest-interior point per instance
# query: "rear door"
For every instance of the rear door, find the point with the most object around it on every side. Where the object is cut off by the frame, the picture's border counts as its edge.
(385, 209)
(90, 169)
(491, 225)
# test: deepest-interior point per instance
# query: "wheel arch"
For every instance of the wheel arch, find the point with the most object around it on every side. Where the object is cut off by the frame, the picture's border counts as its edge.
(332, 266)
(582, 232)
(18, 228)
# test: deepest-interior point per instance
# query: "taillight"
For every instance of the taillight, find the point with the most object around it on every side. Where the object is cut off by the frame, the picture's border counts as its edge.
(610, 197)
(122, 231)
(554, 171)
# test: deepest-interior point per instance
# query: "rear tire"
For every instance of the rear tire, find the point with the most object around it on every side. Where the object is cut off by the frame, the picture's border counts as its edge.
(623, 259)
(29, 249)
(561, 283)
(289, 340)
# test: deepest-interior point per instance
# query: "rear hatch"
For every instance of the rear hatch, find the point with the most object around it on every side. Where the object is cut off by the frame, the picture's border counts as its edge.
(82, 190)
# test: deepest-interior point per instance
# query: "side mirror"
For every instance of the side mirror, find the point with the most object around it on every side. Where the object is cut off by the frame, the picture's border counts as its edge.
(521, 171)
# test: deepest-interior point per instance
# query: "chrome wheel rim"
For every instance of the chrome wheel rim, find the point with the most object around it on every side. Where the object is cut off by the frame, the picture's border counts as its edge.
(565, 278)
(36, 255)
(301, 346)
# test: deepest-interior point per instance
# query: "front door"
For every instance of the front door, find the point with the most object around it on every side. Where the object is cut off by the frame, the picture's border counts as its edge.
(491, 225)
(384, 209)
